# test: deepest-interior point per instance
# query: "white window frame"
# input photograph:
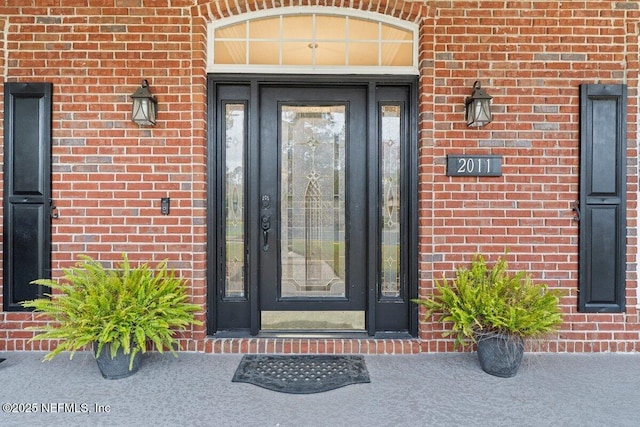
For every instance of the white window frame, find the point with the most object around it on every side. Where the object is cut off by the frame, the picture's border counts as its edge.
(311, 69)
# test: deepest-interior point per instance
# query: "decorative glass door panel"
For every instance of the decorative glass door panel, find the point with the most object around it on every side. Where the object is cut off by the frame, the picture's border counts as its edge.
(390, 132)
(312, 234)
(235, 139)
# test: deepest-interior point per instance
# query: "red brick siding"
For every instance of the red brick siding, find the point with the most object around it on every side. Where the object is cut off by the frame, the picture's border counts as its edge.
(531, 56)
(109, 175)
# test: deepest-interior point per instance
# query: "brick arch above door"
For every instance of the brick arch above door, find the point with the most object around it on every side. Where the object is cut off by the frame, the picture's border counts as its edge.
(412, 11)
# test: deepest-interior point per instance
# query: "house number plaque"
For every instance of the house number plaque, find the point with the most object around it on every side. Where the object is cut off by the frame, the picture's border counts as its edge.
(474, 165)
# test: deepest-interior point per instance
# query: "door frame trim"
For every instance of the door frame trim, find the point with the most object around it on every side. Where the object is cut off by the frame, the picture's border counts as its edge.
(409, 269)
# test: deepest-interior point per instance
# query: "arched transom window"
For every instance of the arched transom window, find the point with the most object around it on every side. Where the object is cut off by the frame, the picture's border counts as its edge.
(305, 40)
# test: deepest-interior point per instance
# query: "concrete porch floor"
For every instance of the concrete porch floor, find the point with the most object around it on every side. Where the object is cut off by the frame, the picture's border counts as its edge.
(195, 389)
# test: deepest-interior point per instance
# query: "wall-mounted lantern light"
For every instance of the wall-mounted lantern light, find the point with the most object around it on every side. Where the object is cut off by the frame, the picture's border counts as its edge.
(478, 107)
(144, 106)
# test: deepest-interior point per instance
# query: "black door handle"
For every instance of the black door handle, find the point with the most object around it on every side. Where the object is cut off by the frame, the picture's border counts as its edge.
(265, 223)
(576, 209)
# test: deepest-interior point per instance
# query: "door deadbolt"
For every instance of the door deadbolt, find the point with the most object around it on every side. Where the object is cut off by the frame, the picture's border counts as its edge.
(265, 201)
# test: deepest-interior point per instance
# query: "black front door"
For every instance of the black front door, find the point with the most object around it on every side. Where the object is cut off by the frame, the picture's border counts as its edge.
(312, 208)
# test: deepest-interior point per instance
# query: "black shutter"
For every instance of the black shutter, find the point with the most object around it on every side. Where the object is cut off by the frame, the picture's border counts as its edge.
(603, 145)
(27, 190)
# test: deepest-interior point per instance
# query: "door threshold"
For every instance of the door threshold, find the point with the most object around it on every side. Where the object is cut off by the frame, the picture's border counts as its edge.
(311, 334)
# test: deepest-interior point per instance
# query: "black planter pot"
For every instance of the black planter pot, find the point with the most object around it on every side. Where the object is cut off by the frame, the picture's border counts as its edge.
(118, 367)
(500, 354)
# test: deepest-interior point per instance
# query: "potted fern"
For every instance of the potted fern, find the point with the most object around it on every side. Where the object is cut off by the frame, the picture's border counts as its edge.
(117, 311)
(496, 310)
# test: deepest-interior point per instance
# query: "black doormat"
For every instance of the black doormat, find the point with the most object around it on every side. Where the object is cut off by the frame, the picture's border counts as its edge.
(301, 374)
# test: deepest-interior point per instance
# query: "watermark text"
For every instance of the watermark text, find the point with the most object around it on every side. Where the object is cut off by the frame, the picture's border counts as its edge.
(54, 408)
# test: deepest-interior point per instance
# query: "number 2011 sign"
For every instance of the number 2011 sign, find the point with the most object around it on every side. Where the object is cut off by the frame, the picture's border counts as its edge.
(474, 165)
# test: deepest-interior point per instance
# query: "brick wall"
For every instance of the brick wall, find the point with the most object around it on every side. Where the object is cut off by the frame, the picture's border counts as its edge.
(531, 56)
(109, 175)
